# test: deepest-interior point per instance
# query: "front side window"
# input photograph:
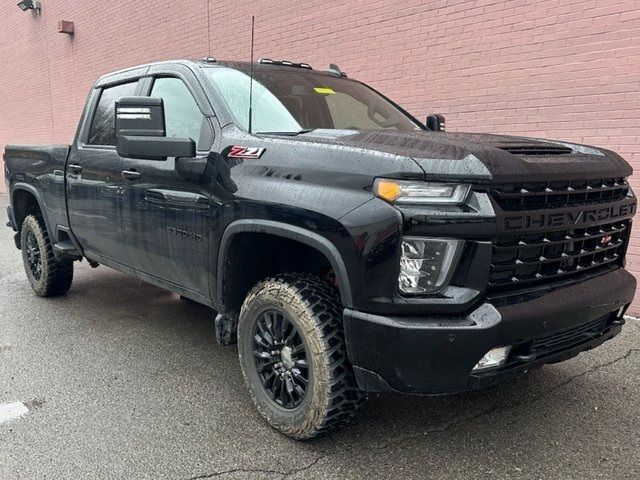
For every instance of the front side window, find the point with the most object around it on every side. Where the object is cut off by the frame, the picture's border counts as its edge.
(103, 126)
(183, 118)
(291, 101)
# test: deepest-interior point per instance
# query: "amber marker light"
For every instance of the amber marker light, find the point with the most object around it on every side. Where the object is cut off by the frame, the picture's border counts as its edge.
(388, 190)
(420, 193)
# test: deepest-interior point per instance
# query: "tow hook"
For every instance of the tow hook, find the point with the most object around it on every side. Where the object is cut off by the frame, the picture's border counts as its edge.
(618, 322)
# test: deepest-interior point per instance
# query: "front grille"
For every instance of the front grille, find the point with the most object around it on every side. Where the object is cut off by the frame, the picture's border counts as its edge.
(557, 341)
(536, 149)
(531, 196)
(520, 260)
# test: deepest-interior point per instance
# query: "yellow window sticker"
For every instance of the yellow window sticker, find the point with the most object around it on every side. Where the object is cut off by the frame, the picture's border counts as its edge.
(324, 90)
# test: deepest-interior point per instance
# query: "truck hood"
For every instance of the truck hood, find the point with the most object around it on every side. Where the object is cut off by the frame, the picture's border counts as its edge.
(484, 157)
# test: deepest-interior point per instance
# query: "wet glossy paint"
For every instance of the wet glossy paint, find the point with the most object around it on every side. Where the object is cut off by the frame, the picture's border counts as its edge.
(166, 222)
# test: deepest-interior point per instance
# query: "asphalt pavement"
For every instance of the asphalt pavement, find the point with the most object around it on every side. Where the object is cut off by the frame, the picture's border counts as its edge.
(121, 379)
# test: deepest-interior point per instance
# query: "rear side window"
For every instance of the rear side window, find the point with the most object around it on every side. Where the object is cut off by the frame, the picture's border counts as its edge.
(182, 116)
(103, 126)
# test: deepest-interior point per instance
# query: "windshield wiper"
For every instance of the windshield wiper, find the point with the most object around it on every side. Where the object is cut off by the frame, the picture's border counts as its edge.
(288, 134)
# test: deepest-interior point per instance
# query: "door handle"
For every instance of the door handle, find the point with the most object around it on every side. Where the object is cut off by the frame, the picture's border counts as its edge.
(75, 168)
(131, 174)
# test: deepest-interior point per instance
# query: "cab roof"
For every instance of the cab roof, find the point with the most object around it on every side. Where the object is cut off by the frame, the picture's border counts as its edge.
(261, 65)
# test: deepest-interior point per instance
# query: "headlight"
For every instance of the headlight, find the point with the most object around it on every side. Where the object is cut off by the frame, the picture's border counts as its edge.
(427, 264)
(421, 193)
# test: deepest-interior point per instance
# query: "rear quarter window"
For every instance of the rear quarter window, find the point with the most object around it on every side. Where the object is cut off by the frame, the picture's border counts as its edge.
(103, 125)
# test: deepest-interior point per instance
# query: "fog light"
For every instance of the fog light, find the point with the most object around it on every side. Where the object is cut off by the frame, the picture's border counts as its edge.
(496, 357)
(426, 264)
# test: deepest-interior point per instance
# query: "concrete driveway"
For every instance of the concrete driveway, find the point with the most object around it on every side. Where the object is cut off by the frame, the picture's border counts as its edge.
(124, 380)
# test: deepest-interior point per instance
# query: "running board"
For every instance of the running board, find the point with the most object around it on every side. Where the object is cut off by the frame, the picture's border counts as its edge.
(66, 251)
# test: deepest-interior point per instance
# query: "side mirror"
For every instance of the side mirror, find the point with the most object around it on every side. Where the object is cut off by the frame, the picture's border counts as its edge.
(436, 122)
(141, 131)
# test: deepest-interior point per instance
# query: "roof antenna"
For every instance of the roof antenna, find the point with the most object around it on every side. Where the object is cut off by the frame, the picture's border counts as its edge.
(251, 76)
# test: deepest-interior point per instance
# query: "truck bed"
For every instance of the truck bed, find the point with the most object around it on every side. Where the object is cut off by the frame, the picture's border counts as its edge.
(39, 169)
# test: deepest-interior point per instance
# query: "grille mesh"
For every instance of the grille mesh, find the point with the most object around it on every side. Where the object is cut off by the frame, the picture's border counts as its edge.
(531, 196)
(520, 260)
(558, 341)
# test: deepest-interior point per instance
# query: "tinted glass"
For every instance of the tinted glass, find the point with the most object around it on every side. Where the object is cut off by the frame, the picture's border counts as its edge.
(286, 101)
(349, 113)
(183, 118)
(103, 127)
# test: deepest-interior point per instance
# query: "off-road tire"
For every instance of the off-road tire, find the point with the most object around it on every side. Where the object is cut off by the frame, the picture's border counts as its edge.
(312, 305)
(55, 277)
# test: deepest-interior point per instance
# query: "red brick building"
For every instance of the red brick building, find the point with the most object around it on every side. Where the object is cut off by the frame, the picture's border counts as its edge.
(565, 69)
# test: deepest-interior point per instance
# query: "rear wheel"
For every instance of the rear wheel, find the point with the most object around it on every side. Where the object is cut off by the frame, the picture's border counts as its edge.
(293, 356)
(48, 277)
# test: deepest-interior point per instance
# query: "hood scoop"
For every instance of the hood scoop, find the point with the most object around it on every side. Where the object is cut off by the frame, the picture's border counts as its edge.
(529, 149)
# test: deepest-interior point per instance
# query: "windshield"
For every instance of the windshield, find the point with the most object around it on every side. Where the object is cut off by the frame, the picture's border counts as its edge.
(285, 101)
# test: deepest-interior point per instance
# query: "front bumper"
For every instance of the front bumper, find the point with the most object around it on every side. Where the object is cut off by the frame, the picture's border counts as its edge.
(436, 355)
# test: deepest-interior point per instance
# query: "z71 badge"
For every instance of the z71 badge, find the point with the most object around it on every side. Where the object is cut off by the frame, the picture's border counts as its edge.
(252, 153)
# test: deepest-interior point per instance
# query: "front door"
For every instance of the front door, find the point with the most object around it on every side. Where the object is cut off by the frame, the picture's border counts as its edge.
(165, 215)
(94, 182)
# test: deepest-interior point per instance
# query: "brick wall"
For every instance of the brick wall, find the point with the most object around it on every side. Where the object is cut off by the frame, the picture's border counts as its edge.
(560, 69)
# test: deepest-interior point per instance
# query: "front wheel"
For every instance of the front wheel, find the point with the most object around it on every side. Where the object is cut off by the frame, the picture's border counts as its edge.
(48, 277)
(293, 356)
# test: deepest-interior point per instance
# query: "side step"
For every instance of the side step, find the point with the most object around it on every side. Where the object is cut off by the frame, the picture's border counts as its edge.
(66, 251)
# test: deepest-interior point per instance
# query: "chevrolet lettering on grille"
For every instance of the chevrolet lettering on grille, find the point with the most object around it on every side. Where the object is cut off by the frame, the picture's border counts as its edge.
(568, 219)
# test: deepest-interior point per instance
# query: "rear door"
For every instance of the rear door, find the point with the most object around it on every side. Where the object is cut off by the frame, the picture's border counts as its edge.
(94, 181)
(165, 214)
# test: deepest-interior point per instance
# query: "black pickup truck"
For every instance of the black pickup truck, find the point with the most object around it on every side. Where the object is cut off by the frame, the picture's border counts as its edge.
(346, 246)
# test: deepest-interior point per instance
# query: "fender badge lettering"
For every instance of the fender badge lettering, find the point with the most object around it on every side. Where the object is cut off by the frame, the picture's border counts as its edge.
(252, 153)
(184, 234)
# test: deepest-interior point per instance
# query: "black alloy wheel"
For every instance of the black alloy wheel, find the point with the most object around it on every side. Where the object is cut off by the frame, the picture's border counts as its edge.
(34, 256)
(281, 359)
(47, 275)
(294, 358)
